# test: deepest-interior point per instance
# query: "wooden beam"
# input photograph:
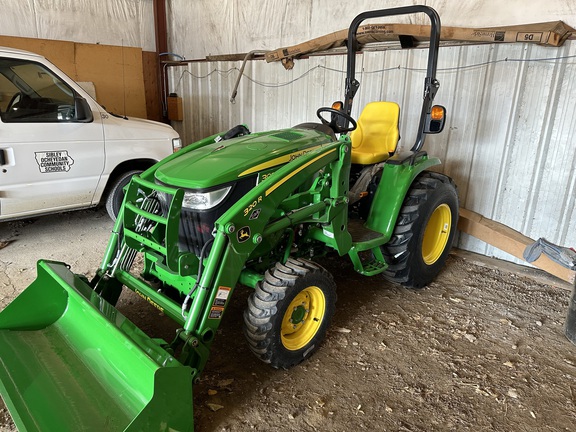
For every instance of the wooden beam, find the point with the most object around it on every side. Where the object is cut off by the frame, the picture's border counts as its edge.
(549, 33)
(511, 241)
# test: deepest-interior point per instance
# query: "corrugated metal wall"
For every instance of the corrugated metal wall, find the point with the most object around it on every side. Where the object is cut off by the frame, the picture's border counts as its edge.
(509, 142)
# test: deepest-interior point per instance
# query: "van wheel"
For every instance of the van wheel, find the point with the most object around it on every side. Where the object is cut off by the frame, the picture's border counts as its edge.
(424, 231)
(116, 194)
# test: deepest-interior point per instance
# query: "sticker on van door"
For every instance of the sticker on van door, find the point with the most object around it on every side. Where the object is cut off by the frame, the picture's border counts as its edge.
(54, 161)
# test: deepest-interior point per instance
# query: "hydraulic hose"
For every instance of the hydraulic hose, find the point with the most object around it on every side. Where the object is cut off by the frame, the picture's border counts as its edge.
(200, 268)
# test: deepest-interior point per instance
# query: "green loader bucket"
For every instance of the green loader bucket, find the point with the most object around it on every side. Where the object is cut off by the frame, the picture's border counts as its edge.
(69, 361)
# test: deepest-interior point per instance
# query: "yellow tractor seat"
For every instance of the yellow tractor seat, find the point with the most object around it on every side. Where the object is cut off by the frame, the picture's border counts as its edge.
(377, 134)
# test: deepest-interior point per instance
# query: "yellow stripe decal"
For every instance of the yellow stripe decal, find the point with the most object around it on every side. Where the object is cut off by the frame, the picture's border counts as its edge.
(277, 161)
(293, 173)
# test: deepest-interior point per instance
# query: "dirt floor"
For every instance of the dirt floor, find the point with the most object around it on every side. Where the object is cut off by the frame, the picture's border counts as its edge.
(480, 349)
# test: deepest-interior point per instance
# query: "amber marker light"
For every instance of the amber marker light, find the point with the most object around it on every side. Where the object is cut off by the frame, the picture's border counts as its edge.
(437, 113)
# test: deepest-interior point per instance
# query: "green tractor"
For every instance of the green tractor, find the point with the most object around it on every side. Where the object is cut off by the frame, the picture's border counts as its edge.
(234, 208)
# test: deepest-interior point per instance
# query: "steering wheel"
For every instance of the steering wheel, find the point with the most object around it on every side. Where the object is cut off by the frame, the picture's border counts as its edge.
(333, 124)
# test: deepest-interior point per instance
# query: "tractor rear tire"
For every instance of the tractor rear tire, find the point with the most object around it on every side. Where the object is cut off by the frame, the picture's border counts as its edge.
(424, 231)
(289, 312)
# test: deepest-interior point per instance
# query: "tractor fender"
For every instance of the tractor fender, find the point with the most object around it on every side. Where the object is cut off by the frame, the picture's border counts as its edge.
(397, 177)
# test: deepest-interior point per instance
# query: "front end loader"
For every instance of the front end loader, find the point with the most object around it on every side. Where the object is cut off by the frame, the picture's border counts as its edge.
(235, 208)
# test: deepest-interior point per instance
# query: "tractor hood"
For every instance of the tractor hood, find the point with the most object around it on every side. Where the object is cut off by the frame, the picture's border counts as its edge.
(229, 160)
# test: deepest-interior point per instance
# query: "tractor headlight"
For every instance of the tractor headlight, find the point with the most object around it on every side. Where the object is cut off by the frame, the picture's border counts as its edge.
(204, 200)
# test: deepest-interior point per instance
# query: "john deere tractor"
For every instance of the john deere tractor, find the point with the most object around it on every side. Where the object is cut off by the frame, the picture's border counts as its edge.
(234, 208)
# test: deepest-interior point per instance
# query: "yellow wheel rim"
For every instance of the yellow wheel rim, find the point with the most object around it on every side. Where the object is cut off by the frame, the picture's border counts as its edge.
(303, 318)
(436, 234)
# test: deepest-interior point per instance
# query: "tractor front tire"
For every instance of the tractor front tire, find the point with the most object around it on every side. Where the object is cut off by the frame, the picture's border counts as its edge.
(424, 231)
(289, 312)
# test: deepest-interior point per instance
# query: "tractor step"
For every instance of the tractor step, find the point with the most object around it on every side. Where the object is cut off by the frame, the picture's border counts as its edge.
(368, 267)
(373, 267)
(359, 232)
(368, 241)
(70, 361)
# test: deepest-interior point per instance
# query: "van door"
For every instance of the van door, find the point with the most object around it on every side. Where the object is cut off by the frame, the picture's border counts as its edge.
(51, 144)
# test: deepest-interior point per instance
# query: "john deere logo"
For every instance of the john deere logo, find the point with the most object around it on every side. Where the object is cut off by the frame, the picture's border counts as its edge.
(243, 234)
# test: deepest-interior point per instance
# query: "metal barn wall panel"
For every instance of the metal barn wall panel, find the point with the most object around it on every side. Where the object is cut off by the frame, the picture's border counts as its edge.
(508, 142)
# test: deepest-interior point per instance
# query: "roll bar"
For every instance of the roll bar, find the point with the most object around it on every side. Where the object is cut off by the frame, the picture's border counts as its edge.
(431, 85)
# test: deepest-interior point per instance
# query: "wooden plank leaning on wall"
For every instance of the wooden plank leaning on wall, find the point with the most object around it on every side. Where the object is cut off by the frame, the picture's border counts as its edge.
(509, 240)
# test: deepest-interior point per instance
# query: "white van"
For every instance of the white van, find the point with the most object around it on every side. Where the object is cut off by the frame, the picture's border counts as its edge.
(59, 149)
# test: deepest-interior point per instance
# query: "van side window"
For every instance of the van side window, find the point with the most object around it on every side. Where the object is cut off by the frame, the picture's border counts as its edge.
(31, 93)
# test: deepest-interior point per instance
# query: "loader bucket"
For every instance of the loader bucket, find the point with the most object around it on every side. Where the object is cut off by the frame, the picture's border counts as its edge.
(69, 361)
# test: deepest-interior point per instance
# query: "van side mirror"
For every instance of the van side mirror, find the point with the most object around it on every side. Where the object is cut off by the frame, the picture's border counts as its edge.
(435, 120)
(83, 112)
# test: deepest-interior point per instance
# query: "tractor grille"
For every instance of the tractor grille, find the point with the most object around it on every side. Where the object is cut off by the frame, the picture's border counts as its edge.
(195, 229)
(196, 226)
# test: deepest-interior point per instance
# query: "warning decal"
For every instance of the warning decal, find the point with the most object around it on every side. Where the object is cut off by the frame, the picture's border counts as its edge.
(216, 313)
(54, 161)
(221, 296)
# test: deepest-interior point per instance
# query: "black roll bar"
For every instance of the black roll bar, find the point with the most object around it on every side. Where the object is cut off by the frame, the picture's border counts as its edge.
(431, 85)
